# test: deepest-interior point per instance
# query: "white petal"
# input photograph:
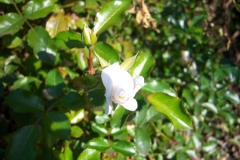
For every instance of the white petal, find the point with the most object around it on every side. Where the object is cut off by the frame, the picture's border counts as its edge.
(108, 107)
(109, 79)
(138, 84)
(131, 104)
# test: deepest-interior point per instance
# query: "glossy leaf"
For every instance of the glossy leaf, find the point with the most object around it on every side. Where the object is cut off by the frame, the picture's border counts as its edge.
(89, 154)
(232, 97)
(36, 9)
(128, 63)
(68, 40)
(154, 86)
(172, 108)
(10, 1)
(103, 62)
(124, 147)
(76, 131)
(54, 83)
(23, 144)
(58, 22)
(110, 14)
(143, 65)
(24, 101)
(102, 118)
(98, 144)
(118, 117)
(210, 106)
(72, 101)
(57, 124)
(106, 52)
(26, 83)
(100, 129)
(10, 23)
(143, 141)
(42, 44)
(12, 41)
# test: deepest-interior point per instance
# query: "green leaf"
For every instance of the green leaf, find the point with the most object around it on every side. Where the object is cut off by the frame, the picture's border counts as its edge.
(89, 154)
(57, 124)
(36, 9)
(110, 14)
(143, 141)
(68, 40)
(76, 131)
(10, 23)
(118, 117)
(154, 86)
(12, 41)
(73, 101)
(143, 65)
(23, 144)
(102, 118)
(10, 1)
(237, 5)
(124, 147)
(10, 68)
(100, 129)
(54, 83)
(23, 101)
(42, 44)
(210, 106)
(100, 144)
(128, 63)
(232, 97)
(102, 61)
(106, 52)
(172, 108)
(26, 83)
(187, 94)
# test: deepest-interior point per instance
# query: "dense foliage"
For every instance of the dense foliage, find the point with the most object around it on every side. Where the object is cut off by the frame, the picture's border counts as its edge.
(52, 97)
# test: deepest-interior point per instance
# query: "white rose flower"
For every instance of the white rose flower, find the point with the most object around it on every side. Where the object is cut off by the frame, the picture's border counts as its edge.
(120, 87)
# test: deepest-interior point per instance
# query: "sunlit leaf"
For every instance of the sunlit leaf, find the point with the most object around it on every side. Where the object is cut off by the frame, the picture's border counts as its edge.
(172, 108)
(26, 83)
(124, 147)
(36, 9)
(98, 144)
(143, 141)
(106, 52)
(142, 65)
(42, 44)
(89, 154)
(154, 86)
(232, 97)
(54, 83)
(110, 14)
(128, 63)
(76, 131)
(68, 40)
(57, 124)
(10, 1)
(10, 23)
(58, 22)
(12, 41)
(100, 129)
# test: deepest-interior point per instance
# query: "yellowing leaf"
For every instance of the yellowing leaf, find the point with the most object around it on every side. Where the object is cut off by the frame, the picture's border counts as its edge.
(58, 22)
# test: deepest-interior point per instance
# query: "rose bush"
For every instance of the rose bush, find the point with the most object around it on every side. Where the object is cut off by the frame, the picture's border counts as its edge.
(121, 87)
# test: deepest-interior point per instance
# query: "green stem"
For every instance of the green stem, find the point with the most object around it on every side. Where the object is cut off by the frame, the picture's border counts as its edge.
(17, 9)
